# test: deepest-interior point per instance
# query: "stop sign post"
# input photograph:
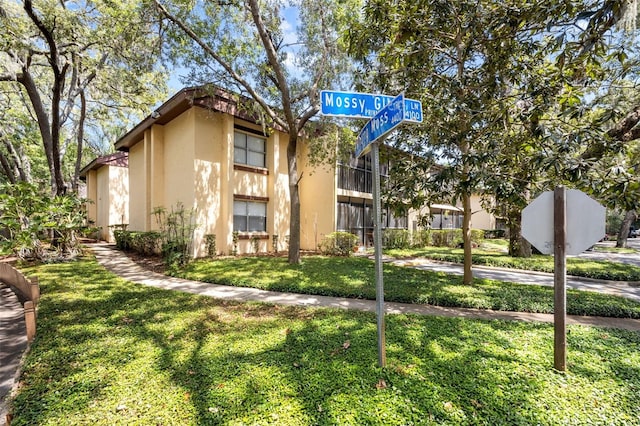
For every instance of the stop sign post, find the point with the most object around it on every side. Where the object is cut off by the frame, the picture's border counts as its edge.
(562, 222)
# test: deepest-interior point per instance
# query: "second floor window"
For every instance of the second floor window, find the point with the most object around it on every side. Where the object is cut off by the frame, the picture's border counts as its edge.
(357, 175)
(249, 149)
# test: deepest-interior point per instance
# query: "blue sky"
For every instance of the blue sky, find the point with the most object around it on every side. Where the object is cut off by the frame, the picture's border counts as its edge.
(289, 24)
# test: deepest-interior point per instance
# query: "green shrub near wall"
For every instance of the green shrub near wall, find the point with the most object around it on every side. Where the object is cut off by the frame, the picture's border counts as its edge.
(477, 236)
(338, 244)
(147, 243)
(123, 239)
(421, 238)
(396, 238)
(444, 237)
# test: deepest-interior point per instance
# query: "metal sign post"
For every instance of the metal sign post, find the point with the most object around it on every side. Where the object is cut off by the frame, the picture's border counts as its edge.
(377, 242)
(559, 279)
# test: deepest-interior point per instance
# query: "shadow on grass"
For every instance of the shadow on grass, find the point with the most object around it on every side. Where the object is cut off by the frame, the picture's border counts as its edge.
(227, 361)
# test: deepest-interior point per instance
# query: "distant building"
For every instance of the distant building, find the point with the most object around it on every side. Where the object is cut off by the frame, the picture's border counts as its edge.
(107, 186)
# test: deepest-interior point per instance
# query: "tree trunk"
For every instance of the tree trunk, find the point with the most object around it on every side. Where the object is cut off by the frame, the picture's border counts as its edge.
(294, 199)
(466, 238)
(58, 180)
(80, 139)
(43, 121)
(629, 218)
(518, 246)
(14, 161)
(7, 169)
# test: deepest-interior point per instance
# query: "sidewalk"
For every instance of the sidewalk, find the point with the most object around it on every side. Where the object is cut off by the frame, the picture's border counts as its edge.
(630, 290)
(121, 265)
(13, 343)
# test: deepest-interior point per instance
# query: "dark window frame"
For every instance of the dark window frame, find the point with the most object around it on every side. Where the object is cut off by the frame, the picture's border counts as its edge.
(243, 223)
(246, 149)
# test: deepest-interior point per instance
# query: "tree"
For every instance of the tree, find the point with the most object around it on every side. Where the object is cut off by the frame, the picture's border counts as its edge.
(70, 56)
(18, 140)
(244, 46)
(596, 113)
(465, 61)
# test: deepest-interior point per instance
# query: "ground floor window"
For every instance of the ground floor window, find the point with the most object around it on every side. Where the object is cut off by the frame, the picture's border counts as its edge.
(445, 219)
(249, 216)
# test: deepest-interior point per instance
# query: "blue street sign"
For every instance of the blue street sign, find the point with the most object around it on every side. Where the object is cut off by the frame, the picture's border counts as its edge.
(364, 105)
(382, 123)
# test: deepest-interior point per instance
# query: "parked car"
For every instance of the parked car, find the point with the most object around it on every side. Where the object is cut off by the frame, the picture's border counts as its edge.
(634, 233)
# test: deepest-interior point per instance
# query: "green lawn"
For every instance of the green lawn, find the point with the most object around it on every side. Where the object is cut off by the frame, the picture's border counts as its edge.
(109, 352)
(354, 277)
(575, 266)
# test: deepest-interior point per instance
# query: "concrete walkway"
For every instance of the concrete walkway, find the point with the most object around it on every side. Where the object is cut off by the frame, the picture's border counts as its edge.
(630, 290)
(121, 265)
(13, 343)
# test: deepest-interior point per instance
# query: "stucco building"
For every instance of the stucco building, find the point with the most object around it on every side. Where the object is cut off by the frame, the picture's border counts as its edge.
(203, 150)
(107, 179)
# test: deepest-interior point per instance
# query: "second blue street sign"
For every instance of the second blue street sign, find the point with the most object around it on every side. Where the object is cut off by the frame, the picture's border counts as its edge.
(382, 123)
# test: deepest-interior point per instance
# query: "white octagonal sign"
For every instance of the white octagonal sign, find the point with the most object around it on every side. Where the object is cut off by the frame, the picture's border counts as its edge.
(585, 222)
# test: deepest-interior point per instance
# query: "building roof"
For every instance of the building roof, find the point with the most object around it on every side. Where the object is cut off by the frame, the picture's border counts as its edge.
(211, 97)
(118, 159)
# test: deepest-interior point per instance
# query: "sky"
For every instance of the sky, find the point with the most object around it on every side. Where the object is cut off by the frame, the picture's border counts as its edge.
(288, 26)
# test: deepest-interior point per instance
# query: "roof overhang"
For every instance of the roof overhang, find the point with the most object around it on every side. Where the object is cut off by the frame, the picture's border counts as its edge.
(209, 97)
(118, 159)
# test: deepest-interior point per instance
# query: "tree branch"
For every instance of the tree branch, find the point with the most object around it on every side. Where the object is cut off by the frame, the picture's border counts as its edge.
(624, 130)
(225, 65)
(48, 36)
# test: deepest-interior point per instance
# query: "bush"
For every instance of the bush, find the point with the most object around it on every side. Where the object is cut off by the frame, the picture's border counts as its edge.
(396, 238)
(421, 238)
(123, 239)
(146, 243)
(210, 242)
(477, 236)
(446, 237)
(495, 233)
(38, 226)
(338, 244)
(177, 229)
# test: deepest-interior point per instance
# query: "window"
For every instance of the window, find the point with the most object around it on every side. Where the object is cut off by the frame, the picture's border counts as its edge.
(249, 149)
(249, 216)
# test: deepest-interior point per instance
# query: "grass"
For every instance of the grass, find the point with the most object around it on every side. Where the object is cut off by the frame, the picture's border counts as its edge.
(109, 352)
(608, 249)
(575, 266)
(354, 277)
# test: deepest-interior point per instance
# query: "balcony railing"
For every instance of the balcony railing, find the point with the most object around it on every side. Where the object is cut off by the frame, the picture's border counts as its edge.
(352, 179)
